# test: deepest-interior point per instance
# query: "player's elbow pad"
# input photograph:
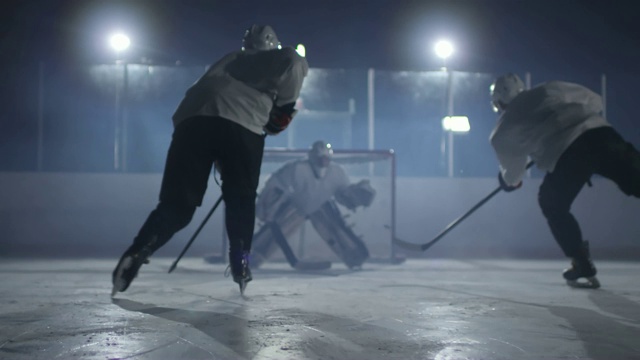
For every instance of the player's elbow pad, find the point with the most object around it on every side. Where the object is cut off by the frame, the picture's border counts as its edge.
(279, 118)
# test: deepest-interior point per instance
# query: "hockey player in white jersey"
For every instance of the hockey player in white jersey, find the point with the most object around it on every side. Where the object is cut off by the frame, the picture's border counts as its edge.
(560, 126)
(308, 189)
(223, 119)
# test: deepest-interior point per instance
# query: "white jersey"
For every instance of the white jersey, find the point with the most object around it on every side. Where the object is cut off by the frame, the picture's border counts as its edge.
(244, 86)
(541, 123)
(297, 183)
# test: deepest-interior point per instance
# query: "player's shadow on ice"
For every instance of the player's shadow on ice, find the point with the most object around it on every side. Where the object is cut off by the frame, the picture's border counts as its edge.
(269, 271)
(229, 330)
(316, 335)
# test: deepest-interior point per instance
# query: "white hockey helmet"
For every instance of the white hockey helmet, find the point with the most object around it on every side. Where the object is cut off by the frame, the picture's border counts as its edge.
(504, 89)
(260, 37)
(320, 155)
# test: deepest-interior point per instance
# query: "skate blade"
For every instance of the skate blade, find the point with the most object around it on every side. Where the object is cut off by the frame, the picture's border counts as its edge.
(243, 285)
(584, 283)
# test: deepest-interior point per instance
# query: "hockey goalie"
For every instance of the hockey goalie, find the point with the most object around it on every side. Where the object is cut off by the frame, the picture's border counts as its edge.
(309, 189)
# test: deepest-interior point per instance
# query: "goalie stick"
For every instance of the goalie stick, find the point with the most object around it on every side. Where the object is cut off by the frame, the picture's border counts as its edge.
(422, 247)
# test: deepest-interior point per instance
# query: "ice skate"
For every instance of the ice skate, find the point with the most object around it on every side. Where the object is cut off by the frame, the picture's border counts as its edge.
(239, 267)
(128, 267)
(582, 273)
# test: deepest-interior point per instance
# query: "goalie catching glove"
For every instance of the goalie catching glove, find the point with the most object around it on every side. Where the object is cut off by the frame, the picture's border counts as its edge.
(279, 118)
(354, 195)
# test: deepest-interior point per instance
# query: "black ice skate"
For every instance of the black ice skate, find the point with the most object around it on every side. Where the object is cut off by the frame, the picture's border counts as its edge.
(582, 273)
(128, 267)
(239, 265)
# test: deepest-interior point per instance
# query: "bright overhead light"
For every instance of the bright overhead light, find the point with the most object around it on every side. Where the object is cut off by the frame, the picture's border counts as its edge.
(119, 42)
(443, 49)
(300, 49)
(456, 123)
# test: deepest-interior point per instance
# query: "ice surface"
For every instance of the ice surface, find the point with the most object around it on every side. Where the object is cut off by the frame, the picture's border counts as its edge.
(421, 309)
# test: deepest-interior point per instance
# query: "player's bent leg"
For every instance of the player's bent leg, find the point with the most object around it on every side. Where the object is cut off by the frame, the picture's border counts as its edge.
(159, 227)
(556, 195)
(240, 222)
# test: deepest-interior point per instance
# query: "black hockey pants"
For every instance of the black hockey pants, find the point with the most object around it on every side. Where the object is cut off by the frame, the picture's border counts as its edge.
(599, 151)
(197, 143)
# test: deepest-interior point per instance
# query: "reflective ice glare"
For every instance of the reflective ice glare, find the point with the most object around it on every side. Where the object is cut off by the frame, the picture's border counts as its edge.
(119, 42)
(443, 49)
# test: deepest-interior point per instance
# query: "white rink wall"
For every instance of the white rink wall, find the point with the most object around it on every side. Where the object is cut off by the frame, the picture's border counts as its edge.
(97, 215)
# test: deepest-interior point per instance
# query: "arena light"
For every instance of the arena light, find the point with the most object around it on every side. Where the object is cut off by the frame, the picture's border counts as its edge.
(456, 124)
(443, 49)
(119, 42)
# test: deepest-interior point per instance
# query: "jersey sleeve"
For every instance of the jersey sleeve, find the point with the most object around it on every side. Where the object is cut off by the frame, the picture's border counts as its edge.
(512, 155)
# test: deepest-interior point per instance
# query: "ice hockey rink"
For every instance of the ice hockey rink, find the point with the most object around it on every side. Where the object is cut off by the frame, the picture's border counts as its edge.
(419, 309)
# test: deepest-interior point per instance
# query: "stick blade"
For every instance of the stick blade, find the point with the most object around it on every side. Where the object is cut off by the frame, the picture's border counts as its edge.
(407, 245)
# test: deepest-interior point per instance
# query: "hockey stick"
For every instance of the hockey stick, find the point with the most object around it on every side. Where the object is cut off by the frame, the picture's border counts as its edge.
(175, 263)
(422, 247)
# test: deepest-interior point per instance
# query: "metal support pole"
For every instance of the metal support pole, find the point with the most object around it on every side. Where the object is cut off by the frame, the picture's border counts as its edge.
(40, 149)
(117, 127)
(123, 115)
(371, 109)
(450, 113)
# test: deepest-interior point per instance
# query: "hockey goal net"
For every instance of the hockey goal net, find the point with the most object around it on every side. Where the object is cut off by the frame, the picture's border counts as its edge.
(375, 225)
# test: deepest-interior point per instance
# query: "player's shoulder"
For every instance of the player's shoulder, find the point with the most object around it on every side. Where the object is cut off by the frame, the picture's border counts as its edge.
(290, 54)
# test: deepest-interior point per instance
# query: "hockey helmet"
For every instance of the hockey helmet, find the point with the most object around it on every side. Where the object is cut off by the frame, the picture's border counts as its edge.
(504, 89)
(320, 154)
(260, 37)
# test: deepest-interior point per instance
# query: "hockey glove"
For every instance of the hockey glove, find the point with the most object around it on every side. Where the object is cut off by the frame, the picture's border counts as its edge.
(506, 187)
(354, 195)
(279, 118)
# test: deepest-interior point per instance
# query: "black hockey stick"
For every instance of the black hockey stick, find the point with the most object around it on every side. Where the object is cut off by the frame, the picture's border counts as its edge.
(422, 247)
(175, 263)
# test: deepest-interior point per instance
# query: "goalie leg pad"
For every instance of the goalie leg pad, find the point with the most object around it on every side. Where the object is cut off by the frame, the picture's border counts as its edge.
(266, 241)
(332, 228)
(262, 247)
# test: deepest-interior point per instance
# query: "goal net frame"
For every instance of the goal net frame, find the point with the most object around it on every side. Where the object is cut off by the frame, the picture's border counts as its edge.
(274, 158)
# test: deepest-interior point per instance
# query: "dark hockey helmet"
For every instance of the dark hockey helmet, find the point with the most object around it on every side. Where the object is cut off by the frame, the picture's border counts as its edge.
(260, 37)
(320, 154)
